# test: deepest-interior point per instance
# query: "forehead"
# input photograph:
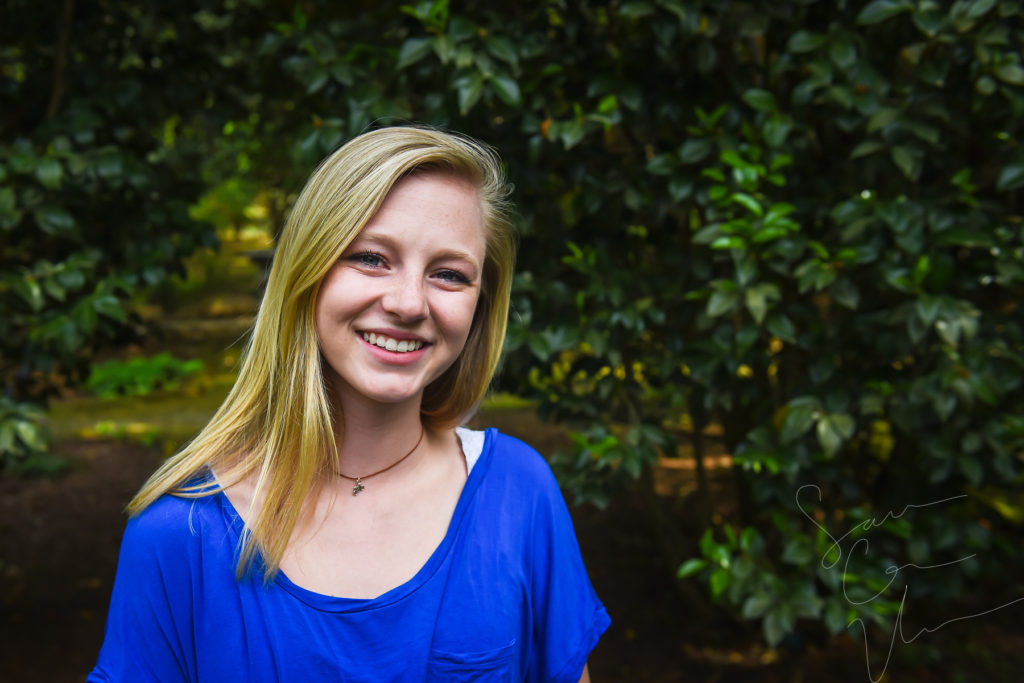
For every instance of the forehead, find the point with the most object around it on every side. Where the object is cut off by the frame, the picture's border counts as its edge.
(434, 205)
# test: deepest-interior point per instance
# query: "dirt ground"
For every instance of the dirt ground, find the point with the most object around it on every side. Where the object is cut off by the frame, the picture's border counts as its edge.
(58, 548)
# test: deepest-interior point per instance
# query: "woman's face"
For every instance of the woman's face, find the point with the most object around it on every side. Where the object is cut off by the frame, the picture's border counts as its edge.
(395, 311)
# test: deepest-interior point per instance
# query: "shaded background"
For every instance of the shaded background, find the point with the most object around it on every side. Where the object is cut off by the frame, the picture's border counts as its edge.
(763, 246)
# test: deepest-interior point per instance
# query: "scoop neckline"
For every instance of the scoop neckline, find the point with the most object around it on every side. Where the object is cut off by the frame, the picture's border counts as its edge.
(332, 603)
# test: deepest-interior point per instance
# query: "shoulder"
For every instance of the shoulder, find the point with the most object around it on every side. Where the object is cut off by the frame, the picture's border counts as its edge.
(515, 458)
(170, 529)
(517, 474)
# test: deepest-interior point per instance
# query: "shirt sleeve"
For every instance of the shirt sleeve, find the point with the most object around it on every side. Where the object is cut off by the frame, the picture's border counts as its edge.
(149, 632)
(568, 617)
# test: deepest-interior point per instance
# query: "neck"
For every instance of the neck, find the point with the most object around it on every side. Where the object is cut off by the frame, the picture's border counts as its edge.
(373, 437)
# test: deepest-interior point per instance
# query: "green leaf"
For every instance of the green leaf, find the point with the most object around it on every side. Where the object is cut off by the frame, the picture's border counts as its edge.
(748, 202)
(805, 41)
(777, 212)
(782, 327)
(680, 188)
(751, 541)
(729, 242)
(759, 99)
(983, 388)
(756, 605)
(1011, 177)
(721, 302)
(978, 8)
(797, 551)
(31, 435)
(799, 419)
(769, 233)
(608, 104)
(54, 220)
(343, 73)
(636, 9)
(507, 89)
(661, 164)
(694, 150)
(929, 134)
(831, 432)
(843, 53)
(986, 85)
(315, 79)
(691, 567)
(84, 315)
(412, 51)
(835, 617)
(757, 304)
(571, 133)
(908, 160)
(469, 89)
(880, 10)
(882, 118)
(539, 346)
(30, 292)
(110, 307)
(8, 201)
(775, 131)
(776, 626)
(502, 48)
(1010, 73)
(49, 173)
(7, 438)
(971, 468)
(110, 165)
(927, 309)
(843, 95)
(720, 580)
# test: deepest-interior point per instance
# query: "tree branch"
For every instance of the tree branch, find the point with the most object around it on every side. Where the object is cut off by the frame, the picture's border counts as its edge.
(61, 59)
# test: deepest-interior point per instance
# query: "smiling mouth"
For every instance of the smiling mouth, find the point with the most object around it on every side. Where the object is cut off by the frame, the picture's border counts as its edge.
(390, 344)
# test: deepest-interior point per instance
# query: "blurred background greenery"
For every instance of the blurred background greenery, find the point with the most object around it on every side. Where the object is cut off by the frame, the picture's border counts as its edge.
(772, 244)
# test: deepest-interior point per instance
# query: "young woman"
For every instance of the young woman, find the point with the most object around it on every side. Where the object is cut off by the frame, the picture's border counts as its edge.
(332, 522)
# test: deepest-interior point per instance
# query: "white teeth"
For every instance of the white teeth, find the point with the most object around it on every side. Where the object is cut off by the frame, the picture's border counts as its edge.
(394, 345)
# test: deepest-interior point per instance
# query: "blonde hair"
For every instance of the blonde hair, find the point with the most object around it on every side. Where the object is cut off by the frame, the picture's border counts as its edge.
(277, 423)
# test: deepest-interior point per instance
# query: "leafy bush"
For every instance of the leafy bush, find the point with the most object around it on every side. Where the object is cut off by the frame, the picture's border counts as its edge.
(140, 376)
(25, 439)
(798, 221)
(97, 170)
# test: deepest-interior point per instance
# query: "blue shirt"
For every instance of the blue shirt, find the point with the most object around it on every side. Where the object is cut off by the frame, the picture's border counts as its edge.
(504, 597)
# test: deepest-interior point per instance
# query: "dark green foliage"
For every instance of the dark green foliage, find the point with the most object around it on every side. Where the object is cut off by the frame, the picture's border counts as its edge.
(102, 106)
(797, 221)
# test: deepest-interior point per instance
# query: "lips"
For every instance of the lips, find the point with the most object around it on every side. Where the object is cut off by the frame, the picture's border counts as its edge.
(391, 343)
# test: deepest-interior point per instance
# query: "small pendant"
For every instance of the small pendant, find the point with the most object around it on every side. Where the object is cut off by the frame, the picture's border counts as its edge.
(358, 487)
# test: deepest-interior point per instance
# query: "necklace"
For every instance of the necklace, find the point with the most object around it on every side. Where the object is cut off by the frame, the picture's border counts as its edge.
(359, 480)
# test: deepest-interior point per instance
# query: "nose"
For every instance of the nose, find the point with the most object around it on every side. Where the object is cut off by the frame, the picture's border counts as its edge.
(405, 297)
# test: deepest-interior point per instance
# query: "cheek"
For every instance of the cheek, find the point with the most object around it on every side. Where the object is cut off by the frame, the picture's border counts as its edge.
(457, 318)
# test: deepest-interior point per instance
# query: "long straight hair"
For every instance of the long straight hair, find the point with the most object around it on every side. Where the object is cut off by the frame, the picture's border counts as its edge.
(277, 423)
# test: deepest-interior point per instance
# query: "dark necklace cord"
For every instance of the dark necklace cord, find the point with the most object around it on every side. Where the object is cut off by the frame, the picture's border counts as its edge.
(359, 480)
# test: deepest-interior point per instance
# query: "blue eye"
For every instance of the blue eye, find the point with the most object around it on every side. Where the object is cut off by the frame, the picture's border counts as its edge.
(453, 276)
(368, 258)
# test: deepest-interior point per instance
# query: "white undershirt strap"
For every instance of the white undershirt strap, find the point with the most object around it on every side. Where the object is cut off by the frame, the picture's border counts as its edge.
(472, 445)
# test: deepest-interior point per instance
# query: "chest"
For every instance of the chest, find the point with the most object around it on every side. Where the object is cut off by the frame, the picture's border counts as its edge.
(468, 615)
(361, 546)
